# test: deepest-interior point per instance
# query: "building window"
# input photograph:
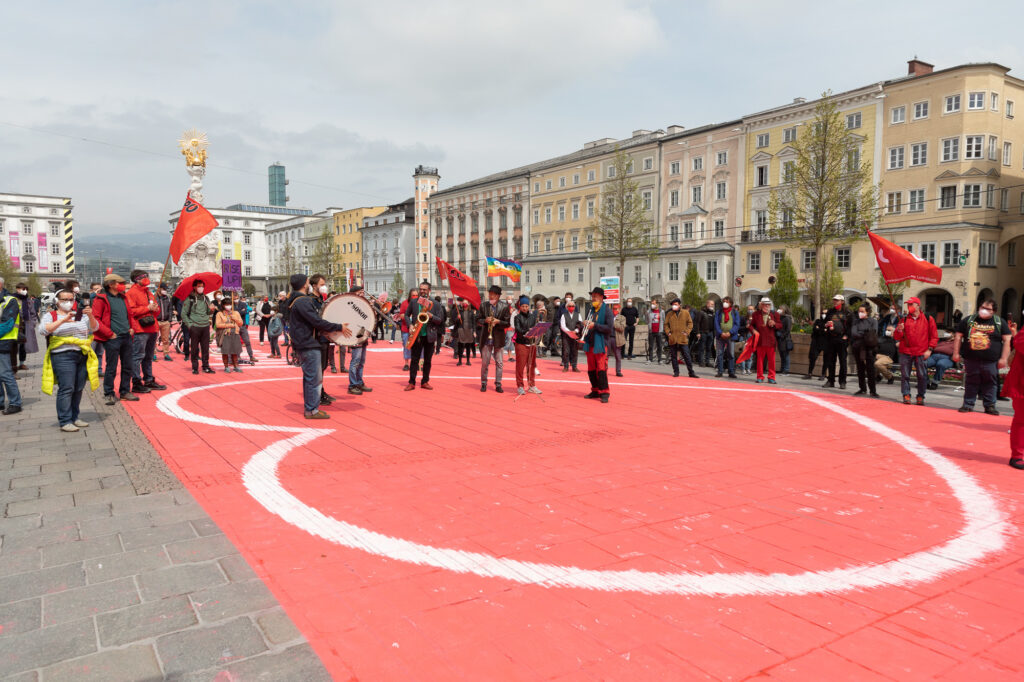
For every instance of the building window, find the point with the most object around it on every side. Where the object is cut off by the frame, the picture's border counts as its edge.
(720, 191)
(673, 272)
(719, 229)
(547, 215)
(987, 255)
(789, 134)
(753, 261)
(952, 104)
(590, 208)
(916, 201)
(698, 163)
(673, 198)
(579, 274)
(895, 158)
(601, 271)
(561, 244)
(247, 271)
(951, 149)
(894, 202)
(920, 110)
(611, 171)
(711, 271)
(761, 222)
(853, 121)
(1009, 108)
(995, 101)
(561, 181)
(919, 154)
(576, 179)
(972, 196)
(561, 213)
(722, 158)
(807, 259)
(26, 227)
(576, 211)
(55, 249)
(777, 257)
(55, 266)
(565, 275)
(688, 230)
(590, 242)
(590, 176)
(575, 241)
(54, 229)
(1007, 153)
(247, 255)
(974, 146)
(975, 100)
(762, 176)
(990, 196)
(227, 237)
(648, 164)
(698, 194)
(673, 168)
(26, 209)
(526, 276)
(547, 245)
(762, 140)
(540, 277)
(1004, 199)
(247, 238)
(852, 160)
(552, 273)
(843, 257)
(648, 199)
(788, 171)
(547, 184)
(536, 245)
(928, 252)
(29, 266)
(673, 233)
(898, 114)
(637, 274)
(951, 253)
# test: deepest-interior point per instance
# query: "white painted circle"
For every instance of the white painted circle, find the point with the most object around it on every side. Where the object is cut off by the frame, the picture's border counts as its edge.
(983, 533)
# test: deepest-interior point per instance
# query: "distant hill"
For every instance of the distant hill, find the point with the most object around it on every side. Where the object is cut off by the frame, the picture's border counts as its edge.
(136, 247)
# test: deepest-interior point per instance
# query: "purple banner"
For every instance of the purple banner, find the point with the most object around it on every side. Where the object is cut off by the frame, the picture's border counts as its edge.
(231, 271)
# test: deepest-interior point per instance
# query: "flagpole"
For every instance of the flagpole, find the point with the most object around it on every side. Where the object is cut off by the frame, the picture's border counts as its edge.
(163, 273)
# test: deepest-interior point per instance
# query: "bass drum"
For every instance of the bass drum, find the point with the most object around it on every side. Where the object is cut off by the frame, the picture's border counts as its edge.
(353, 310)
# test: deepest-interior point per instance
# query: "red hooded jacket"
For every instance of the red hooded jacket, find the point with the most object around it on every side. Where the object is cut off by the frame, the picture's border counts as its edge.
(918, 335)
(138, 299)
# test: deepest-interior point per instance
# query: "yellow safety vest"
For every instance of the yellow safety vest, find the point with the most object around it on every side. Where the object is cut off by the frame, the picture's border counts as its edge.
(13, 334)
(92, 363)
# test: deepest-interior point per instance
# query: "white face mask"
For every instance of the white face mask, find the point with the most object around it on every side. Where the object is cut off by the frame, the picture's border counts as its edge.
(227, 309)
(77, 290)
(218, 297)
(675, 307)
(66, 306)
(726, 305)
(984, 314)
(323, 290)
(862, 315)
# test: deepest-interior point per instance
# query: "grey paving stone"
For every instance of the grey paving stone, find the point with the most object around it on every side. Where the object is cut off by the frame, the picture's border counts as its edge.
(200, 549)
(104, 495)
(30, 676)
(150, 619)
(116, 482)
(144, 503)
(232, 599)
(159, 535)
(39, 648)
(181, 512)
(182, 579)
(68, 488)
(18, 495)
(40, 480)
(237, 568)
(84, 602)
(183, 496)
(18, 471)
(79, 550)
(19, 560)
(71, 465)
(130, 664)
(206, 526)
(277, 627)
(80, 513)
(44, 581)
(40, 506)
(202, 648)
(96, 472)
(37, 460)
(41, 537)
(113, 524)
(20, 523)
(21, 616)
(129, 563)
(299, 662)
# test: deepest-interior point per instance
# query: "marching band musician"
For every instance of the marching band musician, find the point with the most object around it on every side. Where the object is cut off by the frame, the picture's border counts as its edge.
(318, 291)
(597, 327)
(569, 322)
(493, 321)
(429, 334)
(305, 323)
(526, 347)
(357, 359)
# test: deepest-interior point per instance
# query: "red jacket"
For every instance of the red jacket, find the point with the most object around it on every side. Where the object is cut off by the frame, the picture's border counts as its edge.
(1013, 384)
(766, 338)
(917, 336)
(138, 299)
(101, 311)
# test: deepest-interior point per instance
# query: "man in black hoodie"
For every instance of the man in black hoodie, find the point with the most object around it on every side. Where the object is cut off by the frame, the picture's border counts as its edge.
(631, 314)
(306, 325)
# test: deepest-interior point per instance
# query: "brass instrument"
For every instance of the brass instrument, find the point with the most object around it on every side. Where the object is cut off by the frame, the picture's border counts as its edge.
(588, 323)
(422, 318)
(494, 320)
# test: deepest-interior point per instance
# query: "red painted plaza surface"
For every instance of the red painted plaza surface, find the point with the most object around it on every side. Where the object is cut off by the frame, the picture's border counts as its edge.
(672, 476)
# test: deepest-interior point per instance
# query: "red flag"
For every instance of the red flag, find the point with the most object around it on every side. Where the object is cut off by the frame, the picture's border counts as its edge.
(899, 265)
(194, 223)
(461, 284)
(748, 350)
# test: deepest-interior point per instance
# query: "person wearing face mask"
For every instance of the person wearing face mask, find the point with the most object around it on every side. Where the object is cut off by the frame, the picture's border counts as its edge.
(228, 323)
(864, 343)
(678, 326)
(837, 331)
(114, 329)
(595, 345)
(727, 331)
(917, 336)
(784, 337)
(196, 314)
(817, 347)
(655, 333)
(10, 321)
(632, 315)
(618, 341)
(746, 333)
(27, 343)
(495, 317)
(569, 323)
(306, 325)
(987, 351)
(243, 310)
(706, 341)
(69, 360)
(163, 320)
(526, 348)
(142, 309)
(464, 319)
(318, 293)
(765, 322)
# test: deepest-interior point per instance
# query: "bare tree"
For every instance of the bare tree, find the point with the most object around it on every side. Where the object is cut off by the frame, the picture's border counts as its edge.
(622, 227)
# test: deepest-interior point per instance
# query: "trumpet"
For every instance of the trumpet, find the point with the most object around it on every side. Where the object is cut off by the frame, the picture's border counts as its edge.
(374, 303)
(588, 323)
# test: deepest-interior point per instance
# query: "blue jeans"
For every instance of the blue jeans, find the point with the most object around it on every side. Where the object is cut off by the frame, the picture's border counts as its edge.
(97, 347)
(724, 348)
(143, 347)
(312, 379)
(7, 382)
(918, 362)
(980, 378)
(117, 349)
(69, 370)
(406, 351)
(940, 363)
(355, 365)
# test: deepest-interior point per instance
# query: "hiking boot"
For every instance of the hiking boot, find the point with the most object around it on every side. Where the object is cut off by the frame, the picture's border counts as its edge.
(906, 400)
(991, 409)
(920, 400)
(498, 388)
(129, 397)
(154, 386)
(13, 409)
(483, 388)
(965, 408)
(354, 390)
(319, 414)
(139, 388)
(365, 389)
(110, 399)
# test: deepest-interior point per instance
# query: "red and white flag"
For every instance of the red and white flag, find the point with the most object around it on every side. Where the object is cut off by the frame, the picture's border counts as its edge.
(460, 283)
(899, 265)
(194, 223)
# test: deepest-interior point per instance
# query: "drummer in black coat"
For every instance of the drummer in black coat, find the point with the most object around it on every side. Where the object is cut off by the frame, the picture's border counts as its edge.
(306, 326)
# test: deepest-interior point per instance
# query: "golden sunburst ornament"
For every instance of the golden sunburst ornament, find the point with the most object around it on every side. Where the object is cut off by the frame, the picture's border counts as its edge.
(193, 145)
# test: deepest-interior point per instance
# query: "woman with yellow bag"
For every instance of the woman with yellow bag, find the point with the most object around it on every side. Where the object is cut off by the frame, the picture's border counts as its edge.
(69, 358)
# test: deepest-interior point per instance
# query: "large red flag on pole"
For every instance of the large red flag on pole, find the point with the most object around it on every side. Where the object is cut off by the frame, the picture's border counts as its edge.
(899, 265)
(194, 223)
(460, 284)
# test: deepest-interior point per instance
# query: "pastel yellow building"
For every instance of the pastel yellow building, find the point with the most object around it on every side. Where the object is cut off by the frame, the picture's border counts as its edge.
(347, 239)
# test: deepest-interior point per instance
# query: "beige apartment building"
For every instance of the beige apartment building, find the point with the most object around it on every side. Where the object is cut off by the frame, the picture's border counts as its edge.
(702, 201)
(347, 239)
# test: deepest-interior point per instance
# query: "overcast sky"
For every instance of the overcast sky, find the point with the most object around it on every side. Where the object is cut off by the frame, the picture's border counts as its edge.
(351, 96)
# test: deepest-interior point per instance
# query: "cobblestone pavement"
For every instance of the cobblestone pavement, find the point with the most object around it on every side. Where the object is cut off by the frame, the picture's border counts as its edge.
(110, 570)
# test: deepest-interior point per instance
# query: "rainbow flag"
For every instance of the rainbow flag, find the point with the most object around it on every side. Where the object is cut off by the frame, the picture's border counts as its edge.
(496, 267)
